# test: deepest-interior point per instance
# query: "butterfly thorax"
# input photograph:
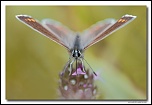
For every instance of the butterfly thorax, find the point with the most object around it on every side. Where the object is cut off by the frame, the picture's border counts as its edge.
(76, 51)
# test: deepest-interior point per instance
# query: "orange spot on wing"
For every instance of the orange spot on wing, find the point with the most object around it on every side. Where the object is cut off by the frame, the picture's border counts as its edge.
(33, 20)
(122, 20)
(26, 20)
(30, 20)
(119, 20)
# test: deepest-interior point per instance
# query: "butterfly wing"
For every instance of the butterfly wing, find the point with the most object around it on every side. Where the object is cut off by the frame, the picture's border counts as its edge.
(102, 29)
(62, 32)
(53, 30)
(90, 34)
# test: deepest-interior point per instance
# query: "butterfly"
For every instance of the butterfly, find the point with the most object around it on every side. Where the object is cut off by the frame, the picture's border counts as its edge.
(75, 43)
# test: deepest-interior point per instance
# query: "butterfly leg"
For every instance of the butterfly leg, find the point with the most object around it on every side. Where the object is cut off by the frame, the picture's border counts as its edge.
(71, 66)
(65, 67)
(82, 65)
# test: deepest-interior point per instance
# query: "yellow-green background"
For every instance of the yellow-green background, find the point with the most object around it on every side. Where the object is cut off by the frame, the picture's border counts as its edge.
(33, 62)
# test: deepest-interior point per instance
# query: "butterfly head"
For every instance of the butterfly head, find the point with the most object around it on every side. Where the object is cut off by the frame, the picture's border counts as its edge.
(76, 53)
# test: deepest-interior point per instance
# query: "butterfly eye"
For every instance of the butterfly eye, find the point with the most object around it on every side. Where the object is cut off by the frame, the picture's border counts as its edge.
(76, 53)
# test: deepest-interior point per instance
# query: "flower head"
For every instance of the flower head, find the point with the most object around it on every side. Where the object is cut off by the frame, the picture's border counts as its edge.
(79, 84)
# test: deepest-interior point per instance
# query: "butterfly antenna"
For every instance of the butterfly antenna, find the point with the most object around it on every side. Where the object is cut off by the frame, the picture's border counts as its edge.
(91, 68)
(76, 65)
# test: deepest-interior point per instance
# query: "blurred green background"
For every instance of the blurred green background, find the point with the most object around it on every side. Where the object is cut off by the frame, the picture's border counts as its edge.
(33, 62)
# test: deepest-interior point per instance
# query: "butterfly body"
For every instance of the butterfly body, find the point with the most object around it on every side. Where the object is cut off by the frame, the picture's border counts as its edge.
(76, 51)
(75, 43)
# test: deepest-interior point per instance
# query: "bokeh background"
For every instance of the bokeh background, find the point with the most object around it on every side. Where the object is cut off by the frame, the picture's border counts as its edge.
(33, 62)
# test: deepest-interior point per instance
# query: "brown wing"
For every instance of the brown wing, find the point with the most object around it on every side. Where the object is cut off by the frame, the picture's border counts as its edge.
(90, 34)
(34, 24)
(115, 26)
